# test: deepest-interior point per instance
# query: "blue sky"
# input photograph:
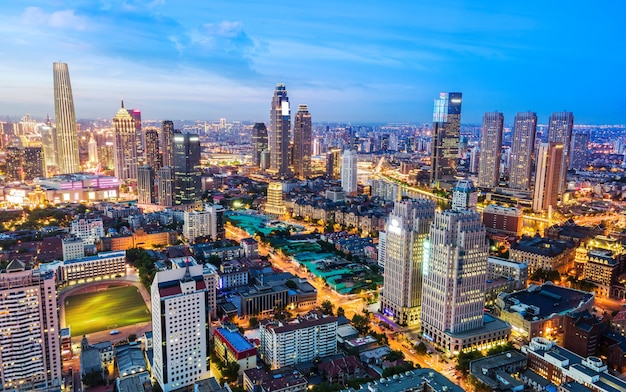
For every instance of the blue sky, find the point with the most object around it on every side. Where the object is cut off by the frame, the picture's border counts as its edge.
(359, 61)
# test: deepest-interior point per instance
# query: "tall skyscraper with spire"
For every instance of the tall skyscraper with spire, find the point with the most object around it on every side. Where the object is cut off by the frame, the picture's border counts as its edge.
(66, 133)
(302, 135)
(446, 136)
(259, 142)
(125, 145)
(522, 148)
(560, 131)
(454, 278)
(490, 150)
(280, 128)
(406, 232)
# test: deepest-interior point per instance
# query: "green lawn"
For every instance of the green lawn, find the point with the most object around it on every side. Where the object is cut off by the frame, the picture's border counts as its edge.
(104, 310)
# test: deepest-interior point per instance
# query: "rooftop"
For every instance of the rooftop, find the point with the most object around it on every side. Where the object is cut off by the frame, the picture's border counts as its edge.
(546, 300)
(234, 339)
(412, 380)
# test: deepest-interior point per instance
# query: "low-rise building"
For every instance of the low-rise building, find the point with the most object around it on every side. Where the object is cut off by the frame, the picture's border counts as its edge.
(544, 253)
(416, 380)
(73, 248)
(503, 220)
(105, 265)
(498, 267)
(538, 311)
(582, 333)
(496, 370)
(341, 370)
(231, 346)
(282, 380)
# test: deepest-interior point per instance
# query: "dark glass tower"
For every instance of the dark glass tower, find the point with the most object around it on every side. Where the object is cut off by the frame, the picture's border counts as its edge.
(446, 135)
(302, 134)
(187, 172)
(167, 139)
(259, 142)
(153, 157)
(280, 126)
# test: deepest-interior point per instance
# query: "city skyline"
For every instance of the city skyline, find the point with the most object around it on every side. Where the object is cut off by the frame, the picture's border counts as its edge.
(220, 60)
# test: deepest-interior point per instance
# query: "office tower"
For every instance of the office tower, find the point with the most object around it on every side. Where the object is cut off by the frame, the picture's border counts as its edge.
(165, 190)
(446, 134)
(275, 204)
(29, 330)
(522, 148)
(580, 150)
(124, 145)
(302, 134)
(280, 127)
(33, 163)
(180, 327)
(14, 170)
(145, 185)
(333, 164)
(139, 139)
(259, 142)
(406, 231)
(153, 156)
(49, 145)
(348, 172)
(490, 150)
(167, 143)
(303, 339)
(560, 131)
(548, 176)
(187, 173)
(92, 149)
(67, 137)
(455, 270)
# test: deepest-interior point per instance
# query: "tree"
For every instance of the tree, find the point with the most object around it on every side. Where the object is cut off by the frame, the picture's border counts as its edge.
(341, 312)
(361, 323)
(254, 322)
(231, 371)
(132, 337)
(464, 359)
(421, 348)
(327, 307)
(394, 355)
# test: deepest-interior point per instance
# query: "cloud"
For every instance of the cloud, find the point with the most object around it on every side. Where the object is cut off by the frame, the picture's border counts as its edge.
(65, 19)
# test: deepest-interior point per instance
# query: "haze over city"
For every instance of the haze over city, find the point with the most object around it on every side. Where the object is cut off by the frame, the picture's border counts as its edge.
(359, 61)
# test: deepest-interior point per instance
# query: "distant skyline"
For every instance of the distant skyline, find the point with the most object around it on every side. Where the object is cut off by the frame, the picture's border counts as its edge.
(350, 61)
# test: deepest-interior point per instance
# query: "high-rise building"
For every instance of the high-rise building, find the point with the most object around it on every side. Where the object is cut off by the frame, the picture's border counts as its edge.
(522, 148)
(66, 133)
(548, 176)
(92, 149)
(406, 232)
(180, 327)
(348, 172)
(280, 128)
(167, 143)
(208, 222)
(275, 204)
(560, 131)
(302, 134)
(125, 145)
(580, 150)
(187, 172)
(49, 145)
(165, 190)
(446, 135)
(153, 156)
(33, 162)
(145, 185)
(139, 137)
(14, 160)
(490, 150)
(259, 142)
(29, 330)
(333, 164)
(89, 230)
(454, 277)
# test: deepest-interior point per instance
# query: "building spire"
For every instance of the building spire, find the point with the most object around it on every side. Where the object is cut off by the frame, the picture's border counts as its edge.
(122, 103)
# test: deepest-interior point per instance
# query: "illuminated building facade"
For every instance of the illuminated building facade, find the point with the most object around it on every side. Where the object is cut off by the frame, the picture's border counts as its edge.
(275, 204)
(302, 134)
(280, 128)
(548, 176)
(560, 129)
(66, 133)
(125, 145)
(259, 142)
(153, 155)
(446, 136)
(522, 147)
(490, 150)
(187, 172)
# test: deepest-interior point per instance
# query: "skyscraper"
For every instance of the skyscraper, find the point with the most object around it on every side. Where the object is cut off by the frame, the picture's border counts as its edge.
(145, 184)
(406, 231)
(349, 172)
(180, 327)
(92, 149)
(548, 176)
(259, 142)
(14, 170)
(33, 163)
(187, 172)
(125, 145)
(522, 148)
(153, 156)
(560, 131)
(446, 135)
(580, 150)
(139, 137)
(455, 273)
(49, 145)
(333, 164)
(167, 143)
(66, 134)
(490, 150)
(280, 127)
(165, 190)
(29, 334)
(302, 134)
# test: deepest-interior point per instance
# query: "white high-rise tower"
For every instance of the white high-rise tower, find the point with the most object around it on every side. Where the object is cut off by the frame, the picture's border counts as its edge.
(348, 172)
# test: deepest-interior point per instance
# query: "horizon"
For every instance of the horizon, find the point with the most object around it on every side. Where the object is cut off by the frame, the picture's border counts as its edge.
(354, 62)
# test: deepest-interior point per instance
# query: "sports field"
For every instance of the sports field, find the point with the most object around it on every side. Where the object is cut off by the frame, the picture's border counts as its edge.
(110, 308)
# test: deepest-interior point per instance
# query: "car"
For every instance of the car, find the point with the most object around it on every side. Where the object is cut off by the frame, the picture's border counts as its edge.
(114, 332)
